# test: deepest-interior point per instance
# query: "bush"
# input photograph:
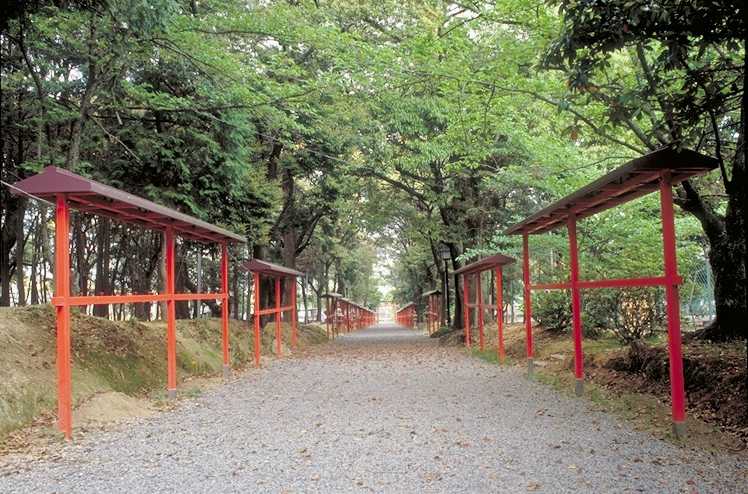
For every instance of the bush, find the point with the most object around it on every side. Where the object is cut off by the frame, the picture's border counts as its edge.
(639, 312)
(630, 314)
(552, 310)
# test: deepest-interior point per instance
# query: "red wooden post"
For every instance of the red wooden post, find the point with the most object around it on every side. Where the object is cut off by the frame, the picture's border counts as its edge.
(171, 318)
(294, 315)
(528, 301)
(62, 290)
(677, 391)
(576, 305)
(500, 313)
(466, 309)
(479, 303)
(278, 332)
(225, 310)
(257, 318)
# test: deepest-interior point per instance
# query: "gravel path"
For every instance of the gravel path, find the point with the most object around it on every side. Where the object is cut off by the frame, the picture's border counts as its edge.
(380, 410)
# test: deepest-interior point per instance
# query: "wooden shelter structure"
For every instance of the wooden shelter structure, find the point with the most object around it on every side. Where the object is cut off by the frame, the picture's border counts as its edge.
(656, 171)
(433, 310)
(346, 315)
(472, 272)
(278, 274)
(406, 315)
(70, 191)
(333, 320)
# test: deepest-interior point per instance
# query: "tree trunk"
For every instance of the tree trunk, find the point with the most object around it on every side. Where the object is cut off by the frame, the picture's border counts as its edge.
(457, 318)
(12, 209)
(20, 247)
(182, 307)
(236, 293)
(34, 267)
(80, 255)
(727, 252)
(103, 257)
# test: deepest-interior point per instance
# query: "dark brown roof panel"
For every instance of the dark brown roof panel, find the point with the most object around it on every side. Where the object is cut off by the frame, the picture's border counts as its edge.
(431, 292)
(84, 194)
(266, 268)
(485, 264)
(627, 182)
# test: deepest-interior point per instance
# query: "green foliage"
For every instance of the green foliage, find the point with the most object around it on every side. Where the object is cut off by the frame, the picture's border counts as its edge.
(552, 310)
(340, 136)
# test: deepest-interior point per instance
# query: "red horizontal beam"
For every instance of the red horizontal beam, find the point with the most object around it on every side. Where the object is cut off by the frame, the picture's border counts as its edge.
(624, 282)
(133, 298)
(199, 296)
(264, 312)
(612, 283)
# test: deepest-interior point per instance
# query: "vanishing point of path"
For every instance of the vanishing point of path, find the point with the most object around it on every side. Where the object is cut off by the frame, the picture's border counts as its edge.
(380, 410)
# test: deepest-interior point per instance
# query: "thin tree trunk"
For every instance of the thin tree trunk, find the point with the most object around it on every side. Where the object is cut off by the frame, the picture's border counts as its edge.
(34, 266)
(20, 248)
(103, 258)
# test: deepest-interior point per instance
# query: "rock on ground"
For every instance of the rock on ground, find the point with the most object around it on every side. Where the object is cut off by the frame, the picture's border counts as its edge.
(380, 410)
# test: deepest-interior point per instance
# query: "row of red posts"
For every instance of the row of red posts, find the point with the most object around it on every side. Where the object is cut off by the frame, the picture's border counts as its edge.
(433, 310)
(656, 171)
(406, 315)
(343, 315)
(69, 191)
(472, 273)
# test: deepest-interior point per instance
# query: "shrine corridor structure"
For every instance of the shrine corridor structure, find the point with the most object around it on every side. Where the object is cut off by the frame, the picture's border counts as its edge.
(70, 191)
(656, 171)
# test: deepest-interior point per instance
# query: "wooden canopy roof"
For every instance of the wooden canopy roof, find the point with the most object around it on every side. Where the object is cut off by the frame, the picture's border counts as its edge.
(627, 182)
(431, 292)
(266, 268)
(486, 263)
(84, 194)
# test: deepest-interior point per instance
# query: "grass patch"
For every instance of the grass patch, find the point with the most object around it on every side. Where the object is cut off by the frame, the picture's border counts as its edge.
(127, 357)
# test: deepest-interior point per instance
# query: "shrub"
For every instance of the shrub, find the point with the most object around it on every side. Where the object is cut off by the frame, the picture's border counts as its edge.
(630, 314)
(552, 310)
(639, 312)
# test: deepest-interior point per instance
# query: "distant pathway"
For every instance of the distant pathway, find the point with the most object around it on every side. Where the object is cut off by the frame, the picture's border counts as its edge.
(380, 410)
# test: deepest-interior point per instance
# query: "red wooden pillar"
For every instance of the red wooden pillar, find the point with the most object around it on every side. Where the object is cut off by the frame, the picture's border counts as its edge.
(62, 291)
(500, 313)
(225, 310)
(576, 305)
(528, 300)
(294, 315)
(479, 303)
(171, 318)
(466, 309)
(257, 318)
(278, 332)
(677, 391)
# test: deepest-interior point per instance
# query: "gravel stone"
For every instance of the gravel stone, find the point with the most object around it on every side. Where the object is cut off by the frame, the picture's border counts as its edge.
(381, 410)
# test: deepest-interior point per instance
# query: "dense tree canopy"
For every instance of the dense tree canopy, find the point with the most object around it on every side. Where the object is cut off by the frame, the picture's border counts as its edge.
(339, 135)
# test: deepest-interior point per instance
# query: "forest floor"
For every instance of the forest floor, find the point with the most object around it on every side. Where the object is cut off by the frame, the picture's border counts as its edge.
(633, 381)
(381, 410)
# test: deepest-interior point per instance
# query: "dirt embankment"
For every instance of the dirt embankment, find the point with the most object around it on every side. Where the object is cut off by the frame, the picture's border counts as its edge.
(119, 368)
(634, 381)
